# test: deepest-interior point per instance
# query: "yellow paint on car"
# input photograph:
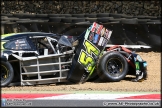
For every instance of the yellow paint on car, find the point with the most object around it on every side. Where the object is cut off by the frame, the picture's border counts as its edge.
(91, 48)
(5, 35)
(86, 61)
(2, 48)
(86, 58)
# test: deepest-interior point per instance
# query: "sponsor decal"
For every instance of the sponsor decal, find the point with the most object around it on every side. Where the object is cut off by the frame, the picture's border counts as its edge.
(102, 31)
(95, 39)
(91, 36)
(87, 34)
(100, 41)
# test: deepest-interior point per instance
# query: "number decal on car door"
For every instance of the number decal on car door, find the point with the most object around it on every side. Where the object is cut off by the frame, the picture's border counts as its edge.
(90, 48)
(86, 58)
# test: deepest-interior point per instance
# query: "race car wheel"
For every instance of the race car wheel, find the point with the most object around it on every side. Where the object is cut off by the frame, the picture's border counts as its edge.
(112, 67)
(7, 73)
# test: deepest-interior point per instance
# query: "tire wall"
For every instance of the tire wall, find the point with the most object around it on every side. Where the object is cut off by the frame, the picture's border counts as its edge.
(128, 7)
(132, 22)
(123, 34)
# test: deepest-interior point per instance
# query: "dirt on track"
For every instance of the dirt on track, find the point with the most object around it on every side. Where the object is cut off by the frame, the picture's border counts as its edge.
(152, 84)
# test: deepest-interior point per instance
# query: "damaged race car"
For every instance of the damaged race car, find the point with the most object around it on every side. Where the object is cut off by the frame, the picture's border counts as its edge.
(32, 58)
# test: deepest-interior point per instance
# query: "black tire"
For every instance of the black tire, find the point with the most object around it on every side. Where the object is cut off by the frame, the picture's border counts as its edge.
(55, 19)
(85, 23)
(66, 20)
(4, 22)
(111, 60)
(6, 68)
(23, 19)
(116, 15)
(53, 15)
(28, 21)
(115, 22)
(93, 15)
(29, 15)
(41, 15)
(154, 22)
(131, 70)
(126, 16)
(116, 19)
(77, 20)
(9, 15)
(43, 20)
(159, 17)
(19, 15)
(140, 17)
(10, 22)
(4, 17)
(39, 19)
(129, 21)
(11, 19)
(78, 15)
(65, 15)
(152, 17)
(104, 19)
(91, 20)
(142, 21)
(103, 15)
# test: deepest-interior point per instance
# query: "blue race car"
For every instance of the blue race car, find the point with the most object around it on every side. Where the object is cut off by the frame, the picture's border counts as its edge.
(31, 58)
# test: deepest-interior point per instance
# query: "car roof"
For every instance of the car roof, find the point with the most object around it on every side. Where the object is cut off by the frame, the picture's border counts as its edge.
(17, 35)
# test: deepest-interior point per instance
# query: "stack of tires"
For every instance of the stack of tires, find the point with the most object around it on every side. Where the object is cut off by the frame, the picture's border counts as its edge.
(111, 18)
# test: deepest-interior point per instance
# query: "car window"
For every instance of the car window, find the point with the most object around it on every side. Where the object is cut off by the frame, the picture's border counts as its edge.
(18, 44)
(42, 43)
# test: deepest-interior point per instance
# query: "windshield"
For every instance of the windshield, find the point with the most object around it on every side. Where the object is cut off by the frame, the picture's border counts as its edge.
(64, 41)
(18, 44)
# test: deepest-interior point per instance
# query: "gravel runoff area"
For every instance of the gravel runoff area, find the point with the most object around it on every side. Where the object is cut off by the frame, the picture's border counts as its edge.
(152, 84)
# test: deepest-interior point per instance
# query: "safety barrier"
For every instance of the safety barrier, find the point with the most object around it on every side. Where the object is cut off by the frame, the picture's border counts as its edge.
(127, 30)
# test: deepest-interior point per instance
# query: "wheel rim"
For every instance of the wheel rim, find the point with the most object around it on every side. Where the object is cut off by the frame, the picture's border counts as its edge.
(4, 73)
(114, 67)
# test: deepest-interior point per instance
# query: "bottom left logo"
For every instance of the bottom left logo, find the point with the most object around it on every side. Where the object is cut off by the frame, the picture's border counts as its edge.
(3, 102)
